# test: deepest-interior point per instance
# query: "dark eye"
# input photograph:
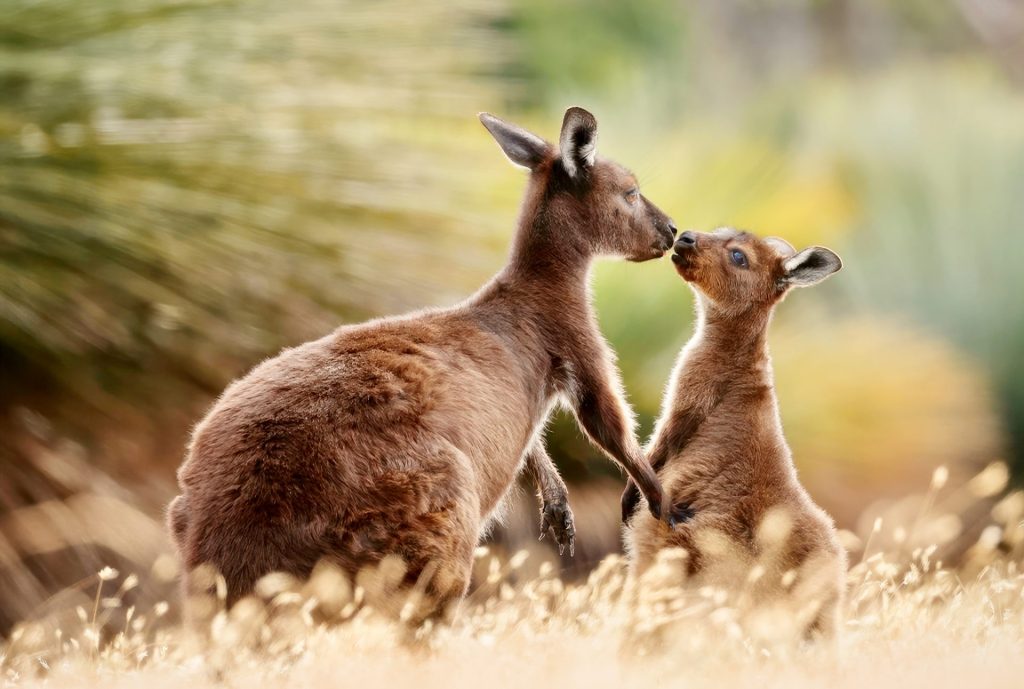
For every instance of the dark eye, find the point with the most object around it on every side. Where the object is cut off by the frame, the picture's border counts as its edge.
(738, 258)
(633, 195)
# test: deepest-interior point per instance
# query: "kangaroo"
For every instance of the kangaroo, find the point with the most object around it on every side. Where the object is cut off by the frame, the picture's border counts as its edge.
(718, 445)
(401, 436)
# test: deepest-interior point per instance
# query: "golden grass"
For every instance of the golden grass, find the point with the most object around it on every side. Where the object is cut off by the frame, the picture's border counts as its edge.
(908, 620)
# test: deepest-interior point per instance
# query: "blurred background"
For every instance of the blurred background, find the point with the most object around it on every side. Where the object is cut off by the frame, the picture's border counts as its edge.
(186, 186)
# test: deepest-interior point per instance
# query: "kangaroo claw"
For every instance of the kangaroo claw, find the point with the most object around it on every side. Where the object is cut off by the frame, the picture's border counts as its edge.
(557, 517)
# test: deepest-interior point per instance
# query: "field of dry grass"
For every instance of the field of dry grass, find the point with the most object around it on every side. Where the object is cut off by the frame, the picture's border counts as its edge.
(909, 620)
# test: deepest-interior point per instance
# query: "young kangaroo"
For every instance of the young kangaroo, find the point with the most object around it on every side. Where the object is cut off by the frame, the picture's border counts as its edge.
(401, 436)
(718, 446)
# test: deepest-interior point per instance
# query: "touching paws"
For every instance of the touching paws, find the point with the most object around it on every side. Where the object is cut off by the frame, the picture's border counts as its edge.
(680, 513)
(631, 498)
(557, 517)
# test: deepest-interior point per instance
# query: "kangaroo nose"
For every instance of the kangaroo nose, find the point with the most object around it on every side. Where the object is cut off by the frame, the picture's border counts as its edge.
(687, 240)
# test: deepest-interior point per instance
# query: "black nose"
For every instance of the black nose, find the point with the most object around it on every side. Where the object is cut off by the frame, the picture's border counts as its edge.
(672, 228)
(687, 240)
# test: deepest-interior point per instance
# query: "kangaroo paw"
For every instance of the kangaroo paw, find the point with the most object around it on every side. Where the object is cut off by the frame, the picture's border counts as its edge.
(555, 516)
(680, 513)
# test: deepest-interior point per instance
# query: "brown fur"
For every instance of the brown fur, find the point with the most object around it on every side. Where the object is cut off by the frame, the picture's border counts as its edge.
(718, 446)
(402, 435)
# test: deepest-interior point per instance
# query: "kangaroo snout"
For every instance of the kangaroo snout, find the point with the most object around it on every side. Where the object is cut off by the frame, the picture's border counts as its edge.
(685, 248)
(687, 241)
(668, 233)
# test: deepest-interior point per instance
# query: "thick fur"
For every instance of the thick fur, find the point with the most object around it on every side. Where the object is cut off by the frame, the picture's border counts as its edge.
(718, 446)
(401, 436)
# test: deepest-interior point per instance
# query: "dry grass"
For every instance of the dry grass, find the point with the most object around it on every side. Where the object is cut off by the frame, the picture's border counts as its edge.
(909, 620)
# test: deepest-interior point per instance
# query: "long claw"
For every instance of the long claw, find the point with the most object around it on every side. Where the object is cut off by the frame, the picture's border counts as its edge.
(557, 518)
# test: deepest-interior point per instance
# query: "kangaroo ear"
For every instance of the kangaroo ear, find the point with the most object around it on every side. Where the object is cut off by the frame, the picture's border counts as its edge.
(520, 146)
(578, 141)
(811, 266)
(781, 246)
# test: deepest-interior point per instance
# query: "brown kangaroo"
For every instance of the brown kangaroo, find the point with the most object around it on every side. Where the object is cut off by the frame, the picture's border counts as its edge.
(401, 436)
(718, 446)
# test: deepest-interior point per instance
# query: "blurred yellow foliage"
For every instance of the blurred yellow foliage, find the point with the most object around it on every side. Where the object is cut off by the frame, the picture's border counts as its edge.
(871, 406)
(806, 209)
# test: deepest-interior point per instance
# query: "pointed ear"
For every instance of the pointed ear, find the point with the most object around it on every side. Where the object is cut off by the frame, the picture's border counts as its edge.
(578, 141)
(781, 246)
(811, 266)
(520, 146)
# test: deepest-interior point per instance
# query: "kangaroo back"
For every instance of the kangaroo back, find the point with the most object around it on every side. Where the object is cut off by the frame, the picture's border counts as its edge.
(399, 438)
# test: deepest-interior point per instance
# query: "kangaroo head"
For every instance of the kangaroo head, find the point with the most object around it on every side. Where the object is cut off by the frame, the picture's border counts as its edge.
(736, 271)
(581, 201)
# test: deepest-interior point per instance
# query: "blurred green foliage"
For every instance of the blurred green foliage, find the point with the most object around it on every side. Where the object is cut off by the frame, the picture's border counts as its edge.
(187, 186)
(584, 47)
(914, 175)
(891, 130)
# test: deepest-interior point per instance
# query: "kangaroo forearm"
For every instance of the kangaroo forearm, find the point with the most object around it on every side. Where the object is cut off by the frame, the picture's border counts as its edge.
(672, 437)
(542, 470)
(603, 419)
(658, 454)
(555, 515)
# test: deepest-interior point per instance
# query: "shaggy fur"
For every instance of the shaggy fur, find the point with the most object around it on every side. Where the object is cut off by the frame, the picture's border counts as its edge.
(401, 436)
(718, 446)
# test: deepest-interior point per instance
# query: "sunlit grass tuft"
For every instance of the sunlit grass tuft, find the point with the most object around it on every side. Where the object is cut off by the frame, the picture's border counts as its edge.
(908, 616)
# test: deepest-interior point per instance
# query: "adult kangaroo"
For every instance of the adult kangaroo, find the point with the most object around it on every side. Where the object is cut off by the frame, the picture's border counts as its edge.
(402, 435)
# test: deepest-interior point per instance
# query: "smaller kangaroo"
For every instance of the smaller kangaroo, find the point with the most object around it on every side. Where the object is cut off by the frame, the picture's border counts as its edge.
(718, 446)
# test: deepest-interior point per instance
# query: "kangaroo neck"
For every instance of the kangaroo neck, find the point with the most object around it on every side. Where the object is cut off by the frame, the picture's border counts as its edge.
(547, 249)
(731, 345)
(725, 363)
(550, 287)
(547, 277)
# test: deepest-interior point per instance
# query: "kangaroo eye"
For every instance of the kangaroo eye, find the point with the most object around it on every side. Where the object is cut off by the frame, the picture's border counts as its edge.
(633, 195)
(738, 258)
